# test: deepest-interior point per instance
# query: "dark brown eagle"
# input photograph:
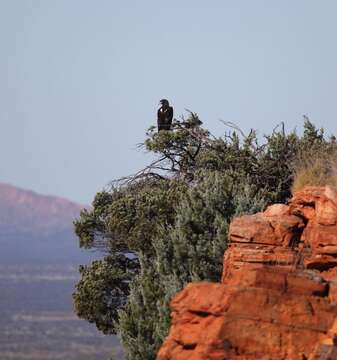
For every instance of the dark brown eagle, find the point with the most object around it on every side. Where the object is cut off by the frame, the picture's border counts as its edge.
(164, 115)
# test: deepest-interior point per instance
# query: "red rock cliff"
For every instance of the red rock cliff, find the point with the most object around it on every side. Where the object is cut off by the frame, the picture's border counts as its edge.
(278, 295)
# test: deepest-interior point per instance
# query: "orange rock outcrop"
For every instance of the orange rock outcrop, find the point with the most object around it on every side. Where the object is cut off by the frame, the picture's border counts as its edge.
(278, 295)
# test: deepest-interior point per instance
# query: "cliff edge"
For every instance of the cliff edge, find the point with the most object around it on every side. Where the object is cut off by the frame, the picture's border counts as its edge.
(278, 294)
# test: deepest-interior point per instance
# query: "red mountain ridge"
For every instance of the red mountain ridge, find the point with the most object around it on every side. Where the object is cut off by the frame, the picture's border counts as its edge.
(24, 211)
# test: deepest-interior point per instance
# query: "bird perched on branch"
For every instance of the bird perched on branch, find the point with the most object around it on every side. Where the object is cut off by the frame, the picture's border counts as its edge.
(164, 115)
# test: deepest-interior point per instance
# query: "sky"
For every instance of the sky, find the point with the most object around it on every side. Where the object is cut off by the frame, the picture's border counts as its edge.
(80, 80)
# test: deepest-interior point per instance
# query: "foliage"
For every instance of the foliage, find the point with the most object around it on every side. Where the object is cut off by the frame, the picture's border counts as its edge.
(168, 224)
(139, 321)
(103, 289)
(316, 161)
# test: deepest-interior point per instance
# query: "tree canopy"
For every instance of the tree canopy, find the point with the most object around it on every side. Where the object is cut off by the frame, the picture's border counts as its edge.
(167, 225)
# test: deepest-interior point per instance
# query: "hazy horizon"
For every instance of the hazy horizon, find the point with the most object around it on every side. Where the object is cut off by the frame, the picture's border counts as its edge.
(81, 81)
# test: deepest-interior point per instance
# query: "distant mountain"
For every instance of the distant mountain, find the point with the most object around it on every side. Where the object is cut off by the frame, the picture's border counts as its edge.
(36, 227)
(24, 211)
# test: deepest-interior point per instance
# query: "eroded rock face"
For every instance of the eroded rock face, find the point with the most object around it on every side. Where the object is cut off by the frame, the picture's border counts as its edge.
(278, 295)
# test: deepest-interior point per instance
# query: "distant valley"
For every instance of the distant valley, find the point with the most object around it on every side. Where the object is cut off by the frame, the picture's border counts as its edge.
(37, 228)
(39, 258)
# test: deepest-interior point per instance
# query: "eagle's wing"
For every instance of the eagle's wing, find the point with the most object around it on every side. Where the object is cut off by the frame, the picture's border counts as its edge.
(160, 120)
(169, 117)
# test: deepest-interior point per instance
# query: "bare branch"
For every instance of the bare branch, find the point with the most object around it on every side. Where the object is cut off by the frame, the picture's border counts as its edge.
(235, 127)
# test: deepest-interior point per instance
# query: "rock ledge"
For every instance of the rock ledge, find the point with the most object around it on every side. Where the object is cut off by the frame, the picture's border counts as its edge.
(278, 294)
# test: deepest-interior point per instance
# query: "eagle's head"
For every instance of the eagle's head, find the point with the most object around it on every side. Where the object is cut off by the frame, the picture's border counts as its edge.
(164, 102)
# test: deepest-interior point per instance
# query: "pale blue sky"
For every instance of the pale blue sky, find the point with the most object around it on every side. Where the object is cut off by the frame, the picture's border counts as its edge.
(80, 80)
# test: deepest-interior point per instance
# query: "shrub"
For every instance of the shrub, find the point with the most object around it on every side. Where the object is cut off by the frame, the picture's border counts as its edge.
(318, 170)
(315, 163)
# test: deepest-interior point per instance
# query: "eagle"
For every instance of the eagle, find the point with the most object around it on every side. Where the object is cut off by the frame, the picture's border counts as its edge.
(164, 115)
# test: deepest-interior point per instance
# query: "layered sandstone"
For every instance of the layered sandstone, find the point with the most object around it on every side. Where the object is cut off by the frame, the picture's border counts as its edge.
(278, 295)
